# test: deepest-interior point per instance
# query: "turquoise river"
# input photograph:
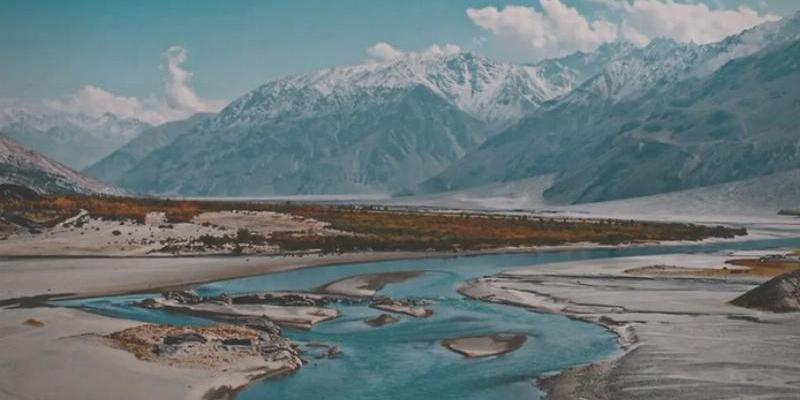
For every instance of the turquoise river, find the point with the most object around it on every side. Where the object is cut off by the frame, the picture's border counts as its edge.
(405, 361)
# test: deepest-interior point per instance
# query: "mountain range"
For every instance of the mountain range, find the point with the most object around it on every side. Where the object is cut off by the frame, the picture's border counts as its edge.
(374, 127)
(618, 122)
(661, 118)
(74, 139)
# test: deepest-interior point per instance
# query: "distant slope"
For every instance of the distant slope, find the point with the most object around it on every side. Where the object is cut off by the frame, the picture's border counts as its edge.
(19, 166)
(760, 197)
(118, 163)
(738, 123)
(661, 118)
(75, 140)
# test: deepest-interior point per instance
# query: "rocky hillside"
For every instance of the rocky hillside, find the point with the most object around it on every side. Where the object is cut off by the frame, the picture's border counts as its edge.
(382, 142)
(118, 163)
(662, 118)
(22, 167)
(374, 127)
(779, 294)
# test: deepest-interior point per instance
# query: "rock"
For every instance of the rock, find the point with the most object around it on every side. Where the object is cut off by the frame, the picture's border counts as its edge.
(224, 299)
(237, 342)
(333, 352)
(184, 338)
(149, 303)
(381, 320)
(262, 323)
(779, 294)
(182, 296)
(408, 307)
(281, 299)
(220, 347)
(165, 349)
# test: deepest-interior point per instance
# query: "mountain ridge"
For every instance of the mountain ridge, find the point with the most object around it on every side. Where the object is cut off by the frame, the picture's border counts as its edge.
(566, 132)
(43, 175)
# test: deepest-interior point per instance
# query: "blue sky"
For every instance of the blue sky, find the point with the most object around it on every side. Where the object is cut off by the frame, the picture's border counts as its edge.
(52, 48)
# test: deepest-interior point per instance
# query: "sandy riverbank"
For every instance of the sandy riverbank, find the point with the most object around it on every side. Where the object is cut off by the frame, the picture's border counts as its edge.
(681, 337)
(89, 277)
(36, 355)
(66, 359)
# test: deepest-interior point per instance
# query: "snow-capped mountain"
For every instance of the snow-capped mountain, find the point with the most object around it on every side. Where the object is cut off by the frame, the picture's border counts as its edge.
(655, 67)
(572, 70)
(77, 140)
(118, 163)
(574, 130)
(381, 144)
(20, 166)
(493, 92)
(374, 127)
(737, 123)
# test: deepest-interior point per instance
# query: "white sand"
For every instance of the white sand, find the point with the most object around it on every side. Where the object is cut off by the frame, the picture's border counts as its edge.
(64, 359)
(21, 277)
(684, 340)
(127, 238)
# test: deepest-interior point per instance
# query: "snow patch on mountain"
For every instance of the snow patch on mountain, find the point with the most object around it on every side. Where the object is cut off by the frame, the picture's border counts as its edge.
(493, 92)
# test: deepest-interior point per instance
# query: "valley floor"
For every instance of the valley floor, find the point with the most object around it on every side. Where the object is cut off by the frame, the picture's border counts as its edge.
(684, 340)
(681, 337)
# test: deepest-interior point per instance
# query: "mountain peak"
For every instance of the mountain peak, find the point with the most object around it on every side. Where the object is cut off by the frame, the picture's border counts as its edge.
(494, 92)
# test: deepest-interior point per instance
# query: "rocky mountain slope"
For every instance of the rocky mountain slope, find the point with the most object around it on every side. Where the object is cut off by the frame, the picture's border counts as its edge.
(665, 117)
(118, 163)
(374, 127)
(23, 167)
(738, 123)
(373, 145)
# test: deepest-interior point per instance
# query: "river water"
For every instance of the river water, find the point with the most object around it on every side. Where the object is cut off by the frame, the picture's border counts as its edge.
(405, 360)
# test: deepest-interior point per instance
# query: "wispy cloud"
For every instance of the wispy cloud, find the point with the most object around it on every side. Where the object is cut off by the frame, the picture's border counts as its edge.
(555, 31)
(94, 101)
(180, 94)
(558, 29)
(179, 100)
(645, 20)
(383, 51)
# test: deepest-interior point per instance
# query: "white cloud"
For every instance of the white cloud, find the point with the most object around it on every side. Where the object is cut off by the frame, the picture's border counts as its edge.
(180, 94)
(383, 51)
(555, 31)
(558, 29)
(94, 101)
(445, 49)
(178, 102)
(644, 20)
